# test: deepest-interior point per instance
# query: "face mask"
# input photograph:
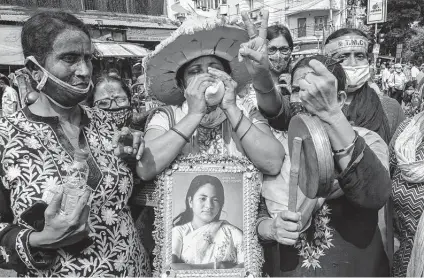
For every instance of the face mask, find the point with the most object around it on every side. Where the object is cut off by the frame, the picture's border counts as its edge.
(68, 97)
(278, 62)
(121, 117)
(356, 77)
(398, 70)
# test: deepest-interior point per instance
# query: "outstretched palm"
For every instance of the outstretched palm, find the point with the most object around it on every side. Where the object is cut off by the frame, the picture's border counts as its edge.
(255, 52)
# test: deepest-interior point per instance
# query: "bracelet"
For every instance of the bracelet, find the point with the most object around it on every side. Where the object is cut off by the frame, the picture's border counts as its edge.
(241, 137)
(348, 148)
(181, 134)
(239, 121)
(259, 91)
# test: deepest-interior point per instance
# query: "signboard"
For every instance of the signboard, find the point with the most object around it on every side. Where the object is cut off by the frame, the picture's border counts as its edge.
(376, 49)
(399, 48)
(377, 11)
(10, 46)
(155, 35)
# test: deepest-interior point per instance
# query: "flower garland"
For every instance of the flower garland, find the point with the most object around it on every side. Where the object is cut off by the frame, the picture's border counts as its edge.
(312, 251)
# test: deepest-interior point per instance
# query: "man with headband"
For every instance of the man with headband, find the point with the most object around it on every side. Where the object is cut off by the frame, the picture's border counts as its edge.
(351, 46)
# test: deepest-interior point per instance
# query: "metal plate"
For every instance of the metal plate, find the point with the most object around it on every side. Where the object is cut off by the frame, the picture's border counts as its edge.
(316, 173)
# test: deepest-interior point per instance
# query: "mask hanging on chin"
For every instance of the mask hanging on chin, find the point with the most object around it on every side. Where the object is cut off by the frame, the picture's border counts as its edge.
(278, 62)
(356, 77)
(122, 117)
(68, 97)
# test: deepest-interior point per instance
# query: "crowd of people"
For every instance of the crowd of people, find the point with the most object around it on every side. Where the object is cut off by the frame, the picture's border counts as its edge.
(376, 137)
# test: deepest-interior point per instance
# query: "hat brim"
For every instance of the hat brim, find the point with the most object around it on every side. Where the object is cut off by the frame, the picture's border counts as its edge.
(193, 40)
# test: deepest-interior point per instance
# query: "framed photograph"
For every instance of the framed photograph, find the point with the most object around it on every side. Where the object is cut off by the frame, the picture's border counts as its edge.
(205, 224)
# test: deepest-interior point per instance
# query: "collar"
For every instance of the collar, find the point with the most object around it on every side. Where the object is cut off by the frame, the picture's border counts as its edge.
(54, 120)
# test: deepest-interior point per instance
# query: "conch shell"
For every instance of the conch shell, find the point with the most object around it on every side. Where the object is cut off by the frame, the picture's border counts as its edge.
(215, 93)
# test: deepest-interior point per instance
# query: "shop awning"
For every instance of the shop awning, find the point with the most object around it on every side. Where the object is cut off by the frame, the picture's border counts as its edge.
(118, 49)
(10, 46)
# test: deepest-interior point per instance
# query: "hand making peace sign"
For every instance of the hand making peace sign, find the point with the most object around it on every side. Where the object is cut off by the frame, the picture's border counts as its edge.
(255, 51)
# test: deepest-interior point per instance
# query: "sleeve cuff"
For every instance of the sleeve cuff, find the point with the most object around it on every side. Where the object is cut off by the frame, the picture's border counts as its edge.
(357, 155)
(33, 258)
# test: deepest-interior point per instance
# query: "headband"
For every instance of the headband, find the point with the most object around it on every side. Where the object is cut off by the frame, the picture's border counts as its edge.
(346, 42)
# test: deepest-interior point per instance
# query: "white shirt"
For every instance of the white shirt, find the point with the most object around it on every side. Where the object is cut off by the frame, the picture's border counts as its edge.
(414, 72)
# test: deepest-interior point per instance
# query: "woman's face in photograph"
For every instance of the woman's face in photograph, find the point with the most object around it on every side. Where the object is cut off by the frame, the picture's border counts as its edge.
(205, 203)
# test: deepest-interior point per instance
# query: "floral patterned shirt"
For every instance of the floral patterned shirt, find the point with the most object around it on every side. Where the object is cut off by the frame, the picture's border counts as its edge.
(35, 155)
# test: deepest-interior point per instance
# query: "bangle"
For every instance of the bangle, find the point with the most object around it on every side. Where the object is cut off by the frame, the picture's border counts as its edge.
(259, 91)
(241, 137)
(348, 148)
(181, 134)
(239, 121)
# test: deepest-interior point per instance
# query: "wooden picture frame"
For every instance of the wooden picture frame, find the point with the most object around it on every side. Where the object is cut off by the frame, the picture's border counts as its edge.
(228, 244)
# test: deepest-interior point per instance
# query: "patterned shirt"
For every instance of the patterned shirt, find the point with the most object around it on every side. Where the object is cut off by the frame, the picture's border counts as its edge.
(408, 199)
(35, 155)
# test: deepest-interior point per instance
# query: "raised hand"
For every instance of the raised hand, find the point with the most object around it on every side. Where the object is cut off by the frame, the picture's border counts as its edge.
(318, 92)
(128, 143)
(195, 93)
(229, 98)
(255, 52)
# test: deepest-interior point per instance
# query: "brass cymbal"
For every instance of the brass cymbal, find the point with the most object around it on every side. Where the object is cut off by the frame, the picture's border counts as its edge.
(316, 171)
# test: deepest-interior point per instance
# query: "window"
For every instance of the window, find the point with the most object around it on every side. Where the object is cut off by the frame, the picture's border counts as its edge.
(320, 23)
(301, 27)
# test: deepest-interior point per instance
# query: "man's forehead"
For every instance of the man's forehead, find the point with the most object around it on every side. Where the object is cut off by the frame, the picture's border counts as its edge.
(347, 44)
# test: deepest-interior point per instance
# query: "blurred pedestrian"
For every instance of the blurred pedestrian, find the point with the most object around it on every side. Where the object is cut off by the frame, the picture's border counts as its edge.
(397, 82)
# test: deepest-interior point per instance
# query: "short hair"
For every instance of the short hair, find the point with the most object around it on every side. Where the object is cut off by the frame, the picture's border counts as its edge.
(40, 31)
(109, 77)
(277, 30)
(410, 84)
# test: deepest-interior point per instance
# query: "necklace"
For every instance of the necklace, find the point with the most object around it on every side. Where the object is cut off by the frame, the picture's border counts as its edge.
(311, 251)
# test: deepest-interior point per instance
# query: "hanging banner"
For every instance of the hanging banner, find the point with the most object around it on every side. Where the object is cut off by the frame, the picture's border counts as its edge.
(377, 11)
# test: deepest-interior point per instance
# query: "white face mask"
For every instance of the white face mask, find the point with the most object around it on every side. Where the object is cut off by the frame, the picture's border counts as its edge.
(73, 95)
(356, 77)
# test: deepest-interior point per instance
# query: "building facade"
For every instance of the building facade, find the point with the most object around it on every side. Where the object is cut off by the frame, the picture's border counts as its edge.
(123, 31)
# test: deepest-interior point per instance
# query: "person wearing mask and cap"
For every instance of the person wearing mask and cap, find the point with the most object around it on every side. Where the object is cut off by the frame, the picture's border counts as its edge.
(397, 82)
(10, 98)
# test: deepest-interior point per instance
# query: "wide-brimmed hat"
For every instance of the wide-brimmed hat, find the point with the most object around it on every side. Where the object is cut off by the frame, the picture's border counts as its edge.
(194, 38)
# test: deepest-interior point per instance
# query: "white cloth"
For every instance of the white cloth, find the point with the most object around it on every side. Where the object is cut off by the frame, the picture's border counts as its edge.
(205, 245)
(405, 149)
(414, 72)
(10, 102)
(398, 80)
